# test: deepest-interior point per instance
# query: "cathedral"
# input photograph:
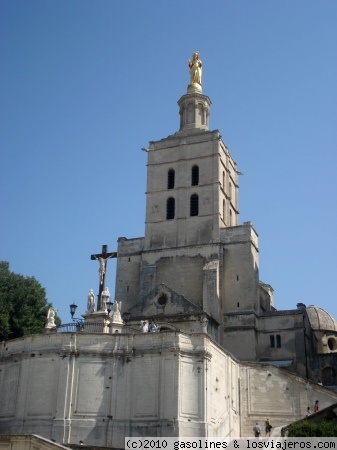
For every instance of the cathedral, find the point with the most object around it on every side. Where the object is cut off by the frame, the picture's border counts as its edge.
(221, 353)
(197, 264)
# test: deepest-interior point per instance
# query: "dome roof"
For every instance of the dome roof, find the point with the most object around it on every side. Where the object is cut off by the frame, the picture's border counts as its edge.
(321, 320)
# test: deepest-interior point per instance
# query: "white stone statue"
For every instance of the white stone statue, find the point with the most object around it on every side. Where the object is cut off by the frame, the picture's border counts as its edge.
(117, 311)
(105, 298)
(51, 318)
(102, 266)
(204, 323)
(195, 69)
(91, 301)
(101, 269)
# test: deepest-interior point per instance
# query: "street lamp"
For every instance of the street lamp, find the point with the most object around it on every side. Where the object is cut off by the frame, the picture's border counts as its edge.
(73, 308)
(109, 306)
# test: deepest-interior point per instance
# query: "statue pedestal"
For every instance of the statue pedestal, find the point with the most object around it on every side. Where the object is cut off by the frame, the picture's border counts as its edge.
(100, 322)
(116, 323)
(194, 87)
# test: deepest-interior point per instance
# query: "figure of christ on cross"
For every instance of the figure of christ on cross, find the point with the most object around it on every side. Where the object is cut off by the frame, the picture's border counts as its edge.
(102, 259)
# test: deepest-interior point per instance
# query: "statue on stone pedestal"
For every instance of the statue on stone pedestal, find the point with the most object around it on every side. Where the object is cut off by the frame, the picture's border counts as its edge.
(195, 69)
(204, 323)
(102, 259)
(51, 318)
(117, 311)
(105, 298)
(91, 301)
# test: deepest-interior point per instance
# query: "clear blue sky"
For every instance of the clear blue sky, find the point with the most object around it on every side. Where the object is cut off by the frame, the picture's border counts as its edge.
(86, 84)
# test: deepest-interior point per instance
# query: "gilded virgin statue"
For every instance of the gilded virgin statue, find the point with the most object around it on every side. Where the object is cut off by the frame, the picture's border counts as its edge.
(195, 66)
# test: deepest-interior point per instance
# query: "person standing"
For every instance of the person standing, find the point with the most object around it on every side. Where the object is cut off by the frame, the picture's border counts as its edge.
(268, 427)
(316, 407)
(144, 328)
(257, 430)
(152, 327)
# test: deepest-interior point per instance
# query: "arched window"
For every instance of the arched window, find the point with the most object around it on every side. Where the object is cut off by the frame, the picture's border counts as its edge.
(194, 205)
(332, 344)
(170, 208)
(170, 179)
(230, 191)
(328, 376)
(223, 180)
(195, 175)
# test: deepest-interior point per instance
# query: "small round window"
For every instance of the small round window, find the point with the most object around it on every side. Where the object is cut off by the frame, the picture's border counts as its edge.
(162, 299)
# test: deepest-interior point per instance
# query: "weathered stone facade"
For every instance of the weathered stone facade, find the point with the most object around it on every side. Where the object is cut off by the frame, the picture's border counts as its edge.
(100, 388)
(194, 246)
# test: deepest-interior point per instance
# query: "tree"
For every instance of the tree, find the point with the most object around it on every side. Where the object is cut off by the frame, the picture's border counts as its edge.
(23, 304)
(306, 428)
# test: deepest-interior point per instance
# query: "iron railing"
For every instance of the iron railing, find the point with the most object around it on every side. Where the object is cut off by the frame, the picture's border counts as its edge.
(85, 327)
(94, 327)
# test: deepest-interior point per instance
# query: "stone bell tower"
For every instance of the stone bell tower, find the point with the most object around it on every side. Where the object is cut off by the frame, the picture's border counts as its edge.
(192, 183)
(195, 256)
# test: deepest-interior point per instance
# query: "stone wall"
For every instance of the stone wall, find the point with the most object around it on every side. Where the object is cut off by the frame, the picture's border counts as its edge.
(290, 331)
(267, 391)
(181, 269)
(28, 442)
(128, 271)
(101, 388)
(240, 270)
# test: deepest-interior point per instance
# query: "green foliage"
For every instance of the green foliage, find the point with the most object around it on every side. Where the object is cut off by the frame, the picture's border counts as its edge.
(23, 304)
(311, 429)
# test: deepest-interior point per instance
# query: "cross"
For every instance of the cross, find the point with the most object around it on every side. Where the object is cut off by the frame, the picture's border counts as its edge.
(102, 259)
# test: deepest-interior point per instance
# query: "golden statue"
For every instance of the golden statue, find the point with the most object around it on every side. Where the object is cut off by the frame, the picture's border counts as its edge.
(195, 72)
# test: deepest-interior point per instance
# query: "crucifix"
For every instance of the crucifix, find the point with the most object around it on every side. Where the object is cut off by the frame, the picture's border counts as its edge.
(102, 259)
